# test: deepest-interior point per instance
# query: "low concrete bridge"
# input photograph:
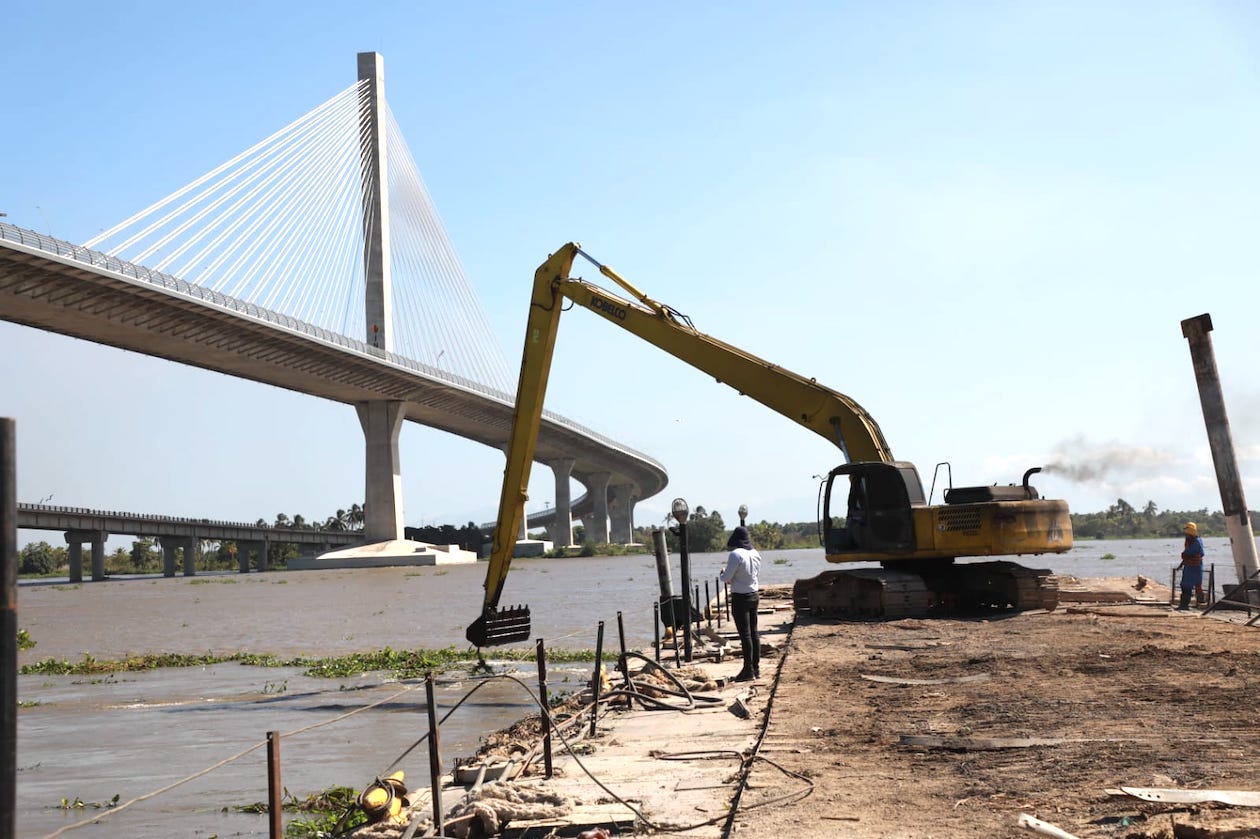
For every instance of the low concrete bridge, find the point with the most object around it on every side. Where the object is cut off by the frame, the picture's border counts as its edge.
(93, 527)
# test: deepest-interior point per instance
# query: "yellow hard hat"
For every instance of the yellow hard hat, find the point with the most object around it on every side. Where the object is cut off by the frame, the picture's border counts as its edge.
(1191, 529)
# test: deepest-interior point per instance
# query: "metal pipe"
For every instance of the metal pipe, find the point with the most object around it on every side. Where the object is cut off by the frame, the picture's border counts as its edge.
(541, 655)
(275, 790)
(435, 756)
(661, 549)
(599, 667)
(623, 664)
(8, 629)
(699, 615)
(1197, 331)
(717, 594)
(685, 563)
(656, 630)
(708, 610)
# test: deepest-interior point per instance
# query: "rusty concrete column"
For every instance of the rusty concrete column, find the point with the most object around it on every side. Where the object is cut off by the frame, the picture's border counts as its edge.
(1197, 331)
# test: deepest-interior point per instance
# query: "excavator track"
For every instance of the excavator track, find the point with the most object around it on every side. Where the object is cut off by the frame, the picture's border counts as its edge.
(885, 594)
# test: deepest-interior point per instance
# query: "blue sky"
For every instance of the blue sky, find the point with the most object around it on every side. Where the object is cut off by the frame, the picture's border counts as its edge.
(982, 221)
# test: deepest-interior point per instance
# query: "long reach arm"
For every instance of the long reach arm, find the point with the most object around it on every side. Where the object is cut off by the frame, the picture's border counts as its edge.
(832, 415)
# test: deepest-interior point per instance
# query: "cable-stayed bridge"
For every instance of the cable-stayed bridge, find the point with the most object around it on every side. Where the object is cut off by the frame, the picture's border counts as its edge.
(266, 267)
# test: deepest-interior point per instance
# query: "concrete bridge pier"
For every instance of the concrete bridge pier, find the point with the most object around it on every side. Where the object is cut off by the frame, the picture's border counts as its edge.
(168, 555)
(560, 531)
(621, 512)
(596, 521)
(75, 540)
(187, 544)
(382, 507)
(242, 555)
(190, 544)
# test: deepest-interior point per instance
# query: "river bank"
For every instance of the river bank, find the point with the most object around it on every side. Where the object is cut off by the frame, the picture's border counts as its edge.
(127, 734)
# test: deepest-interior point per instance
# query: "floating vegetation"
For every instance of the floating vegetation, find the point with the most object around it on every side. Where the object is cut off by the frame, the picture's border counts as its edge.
(24, 640)
(80, 804)
(403, 664)
(1107, 556)
(328, 807)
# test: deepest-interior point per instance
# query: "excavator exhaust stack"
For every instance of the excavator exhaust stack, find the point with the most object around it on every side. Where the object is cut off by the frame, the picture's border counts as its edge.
(496, 627)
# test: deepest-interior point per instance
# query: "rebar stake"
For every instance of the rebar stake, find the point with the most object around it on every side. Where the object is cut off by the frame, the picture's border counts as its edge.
(435, 758)
(541, 655)
(599, 667)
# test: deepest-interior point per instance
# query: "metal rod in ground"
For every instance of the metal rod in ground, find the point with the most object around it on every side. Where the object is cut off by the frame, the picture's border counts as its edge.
(726, 598)
(275, 790)
(599, 667)
(699, 614)
(656, 630)
(541, 655)
(684, 563)
(1172, 588)
(623, 663)
(677, 655)
(435, 756)
(708, 610)
(717, 593)
(8, 629)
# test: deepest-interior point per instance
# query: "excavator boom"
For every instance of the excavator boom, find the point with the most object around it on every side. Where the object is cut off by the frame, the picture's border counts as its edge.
(886, 517)
(826, 412)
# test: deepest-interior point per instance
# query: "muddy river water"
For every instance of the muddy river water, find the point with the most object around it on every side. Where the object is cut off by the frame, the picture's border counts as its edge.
(130, 734)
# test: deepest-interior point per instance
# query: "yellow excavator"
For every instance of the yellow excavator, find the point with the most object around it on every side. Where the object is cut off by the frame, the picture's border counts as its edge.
(872, 507)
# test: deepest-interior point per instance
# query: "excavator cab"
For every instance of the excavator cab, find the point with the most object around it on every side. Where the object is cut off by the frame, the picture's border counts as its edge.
(875, 500)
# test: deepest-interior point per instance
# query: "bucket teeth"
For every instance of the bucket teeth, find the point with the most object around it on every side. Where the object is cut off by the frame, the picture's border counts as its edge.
(499, 626)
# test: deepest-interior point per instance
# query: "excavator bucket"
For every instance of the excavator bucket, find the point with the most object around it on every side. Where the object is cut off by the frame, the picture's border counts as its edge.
(499, 626)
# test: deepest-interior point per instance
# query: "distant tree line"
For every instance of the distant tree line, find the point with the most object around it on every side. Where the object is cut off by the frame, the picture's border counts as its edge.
(707, 531)
(1124, 521)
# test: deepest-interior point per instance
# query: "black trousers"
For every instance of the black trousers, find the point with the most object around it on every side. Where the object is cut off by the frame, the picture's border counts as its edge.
(744, 611)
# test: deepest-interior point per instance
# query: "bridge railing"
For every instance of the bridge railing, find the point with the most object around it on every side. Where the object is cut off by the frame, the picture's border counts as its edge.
(119, 514)
(112, 264)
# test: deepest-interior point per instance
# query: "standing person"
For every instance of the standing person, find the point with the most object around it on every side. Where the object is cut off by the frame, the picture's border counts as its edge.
(742, 567)
(1191, 567)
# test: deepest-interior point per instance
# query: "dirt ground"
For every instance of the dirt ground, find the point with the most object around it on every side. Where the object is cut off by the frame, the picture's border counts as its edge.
(1057, 709)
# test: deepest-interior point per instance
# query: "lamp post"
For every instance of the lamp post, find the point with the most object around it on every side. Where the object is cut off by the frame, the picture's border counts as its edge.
(681, 511)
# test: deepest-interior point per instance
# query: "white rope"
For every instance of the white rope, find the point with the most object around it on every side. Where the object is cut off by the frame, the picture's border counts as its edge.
(112, 810)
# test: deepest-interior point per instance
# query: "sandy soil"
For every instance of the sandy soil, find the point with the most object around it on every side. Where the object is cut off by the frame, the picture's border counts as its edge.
(1117, 695)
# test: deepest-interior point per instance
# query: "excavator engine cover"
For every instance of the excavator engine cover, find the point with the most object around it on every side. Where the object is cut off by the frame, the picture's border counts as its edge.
(499, 626)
